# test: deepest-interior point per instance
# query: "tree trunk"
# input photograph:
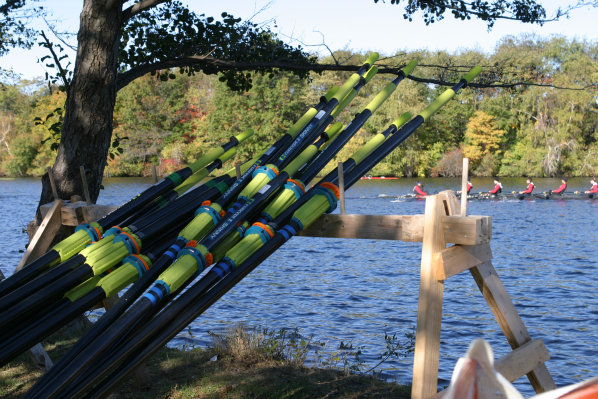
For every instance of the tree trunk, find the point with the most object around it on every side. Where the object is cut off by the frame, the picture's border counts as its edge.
(87, 126)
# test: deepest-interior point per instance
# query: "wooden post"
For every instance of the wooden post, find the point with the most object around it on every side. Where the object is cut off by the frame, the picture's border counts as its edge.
(52, 182)
(509, 320)
(154, 174)
(429, 311)
(238, 171)
(341, 186)
(41, 240)
(85, 188)
(464, 186)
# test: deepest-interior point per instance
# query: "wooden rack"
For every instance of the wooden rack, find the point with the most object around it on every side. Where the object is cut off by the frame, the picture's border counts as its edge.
(441, 224)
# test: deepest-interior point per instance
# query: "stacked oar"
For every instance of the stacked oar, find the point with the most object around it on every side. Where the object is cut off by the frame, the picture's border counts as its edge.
(208, 213)
(144, 229)
(270, 195)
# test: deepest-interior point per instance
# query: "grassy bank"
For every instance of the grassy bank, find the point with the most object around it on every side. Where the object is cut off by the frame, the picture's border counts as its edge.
(246, 367)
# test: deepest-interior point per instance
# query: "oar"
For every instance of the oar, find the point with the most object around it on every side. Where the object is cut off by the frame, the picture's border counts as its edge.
(98, 259)
(322, 200)
(78, 300)
(88, 233)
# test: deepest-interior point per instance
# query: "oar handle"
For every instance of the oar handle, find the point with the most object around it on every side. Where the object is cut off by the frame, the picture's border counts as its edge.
(450, 93)
(354, 79)
(409, 67)
(349, 97)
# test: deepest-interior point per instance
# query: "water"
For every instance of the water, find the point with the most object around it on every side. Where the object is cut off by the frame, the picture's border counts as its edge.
(355, 290)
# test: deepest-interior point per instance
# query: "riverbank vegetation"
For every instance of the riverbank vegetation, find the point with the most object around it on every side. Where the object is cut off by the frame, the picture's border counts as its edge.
(510, 131)
(240, 363)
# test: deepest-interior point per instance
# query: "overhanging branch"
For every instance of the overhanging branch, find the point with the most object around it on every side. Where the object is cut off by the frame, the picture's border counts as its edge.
(125, 78)
(139, 7)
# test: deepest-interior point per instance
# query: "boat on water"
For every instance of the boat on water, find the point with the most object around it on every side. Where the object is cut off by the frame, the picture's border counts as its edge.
(509, 196)
(369, 177)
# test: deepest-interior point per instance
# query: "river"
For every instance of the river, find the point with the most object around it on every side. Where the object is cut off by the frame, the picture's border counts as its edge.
(356, 290)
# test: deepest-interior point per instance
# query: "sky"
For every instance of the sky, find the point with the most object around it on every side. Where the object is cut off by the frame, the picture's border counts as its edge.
(351, 24)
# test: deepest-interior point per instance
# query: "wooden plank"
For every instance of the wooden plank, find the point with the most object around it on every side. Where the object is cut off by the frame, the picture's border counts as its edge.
(413, 228)
(40, 243)
(509, 320)
(523, 360)
(518, 363)
(375, 227)
(40, 357)
(95, 212)
(467, 230)
(455, 259)
(429, 311)
(72, 213)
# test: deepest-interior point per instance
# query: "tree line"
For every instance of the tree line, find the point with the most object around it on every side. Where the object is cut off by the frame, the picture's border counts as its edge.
(508, 131)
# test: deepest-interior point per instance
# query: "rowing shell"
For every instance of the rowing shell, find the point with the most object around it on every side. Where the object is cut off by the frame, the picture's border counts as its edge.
(498, 197)
(378, 177)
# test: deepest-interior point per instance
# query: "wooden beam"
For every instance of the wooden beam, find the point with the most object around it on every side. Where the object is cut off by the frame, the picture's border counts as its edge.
(413, 228)
(458, 258)
(40, 243)
(376, 227)
(519, 362)
(429, 311)
(467, 230)
(509, 320)
(523, 360)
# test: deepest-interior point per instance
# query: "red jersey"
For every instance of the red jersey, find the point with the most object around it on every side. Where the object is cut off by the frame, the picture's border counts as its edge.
(594, 188)
(418, 190)
(497, 189)
(469, 187)
(561, 189)
(529, 189)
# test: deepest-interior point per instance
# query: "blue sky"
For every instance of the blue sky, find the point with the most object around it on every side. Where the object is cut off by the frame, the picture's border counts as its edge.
(355, 24)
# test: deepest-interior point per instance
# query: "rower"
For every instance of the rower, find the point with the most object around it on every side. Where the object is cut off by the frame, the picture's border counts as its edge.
(497, 187)
(594, 188)
(562, 188)
(530, 187)
(469, 186)
(419, 189)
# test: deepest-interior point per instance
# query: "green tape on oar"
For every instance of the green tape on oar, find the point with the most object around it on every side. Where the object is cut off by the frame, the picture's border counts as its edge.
(472, 74)
(261, 176)
(300, 124)
(381, 97)
(215, 154)
(190, 262)
(82, 288)
(301, 160)
(447, 95)
(230, 241)
(110, 256)
(192, 181)
(349, 97)
(324, 201)
(401, 120)
(207, 216)
(410, 67)
(377, 140)
(372, 59)
(96, 246)
(293, 190)
(245, 135)
(331, 92)
(255, 237)
(72, 245)
(114, 282)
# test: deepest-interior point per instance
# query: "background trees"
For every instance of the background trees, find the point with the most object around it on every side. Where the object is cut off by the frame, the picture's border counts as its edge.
(536, 131)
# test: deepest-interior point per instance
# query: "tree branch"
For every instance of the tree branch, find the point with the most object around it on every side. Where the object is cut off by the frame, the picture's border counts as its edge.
(61, 70)
(125, 78)
(139, 7)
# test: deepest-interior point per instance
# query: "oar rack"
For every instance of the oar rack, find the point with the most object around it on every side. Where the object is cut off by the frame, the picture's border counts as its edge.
(441, 224)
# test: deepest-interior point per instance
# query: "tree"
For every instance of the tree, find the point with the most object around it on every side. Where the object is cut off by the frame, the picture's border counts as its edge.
(482, 140)
(118, 44)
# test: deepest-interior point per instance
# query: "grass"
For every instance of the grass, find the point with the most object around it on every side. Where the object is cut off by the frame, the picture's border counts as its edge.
(250, 364)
